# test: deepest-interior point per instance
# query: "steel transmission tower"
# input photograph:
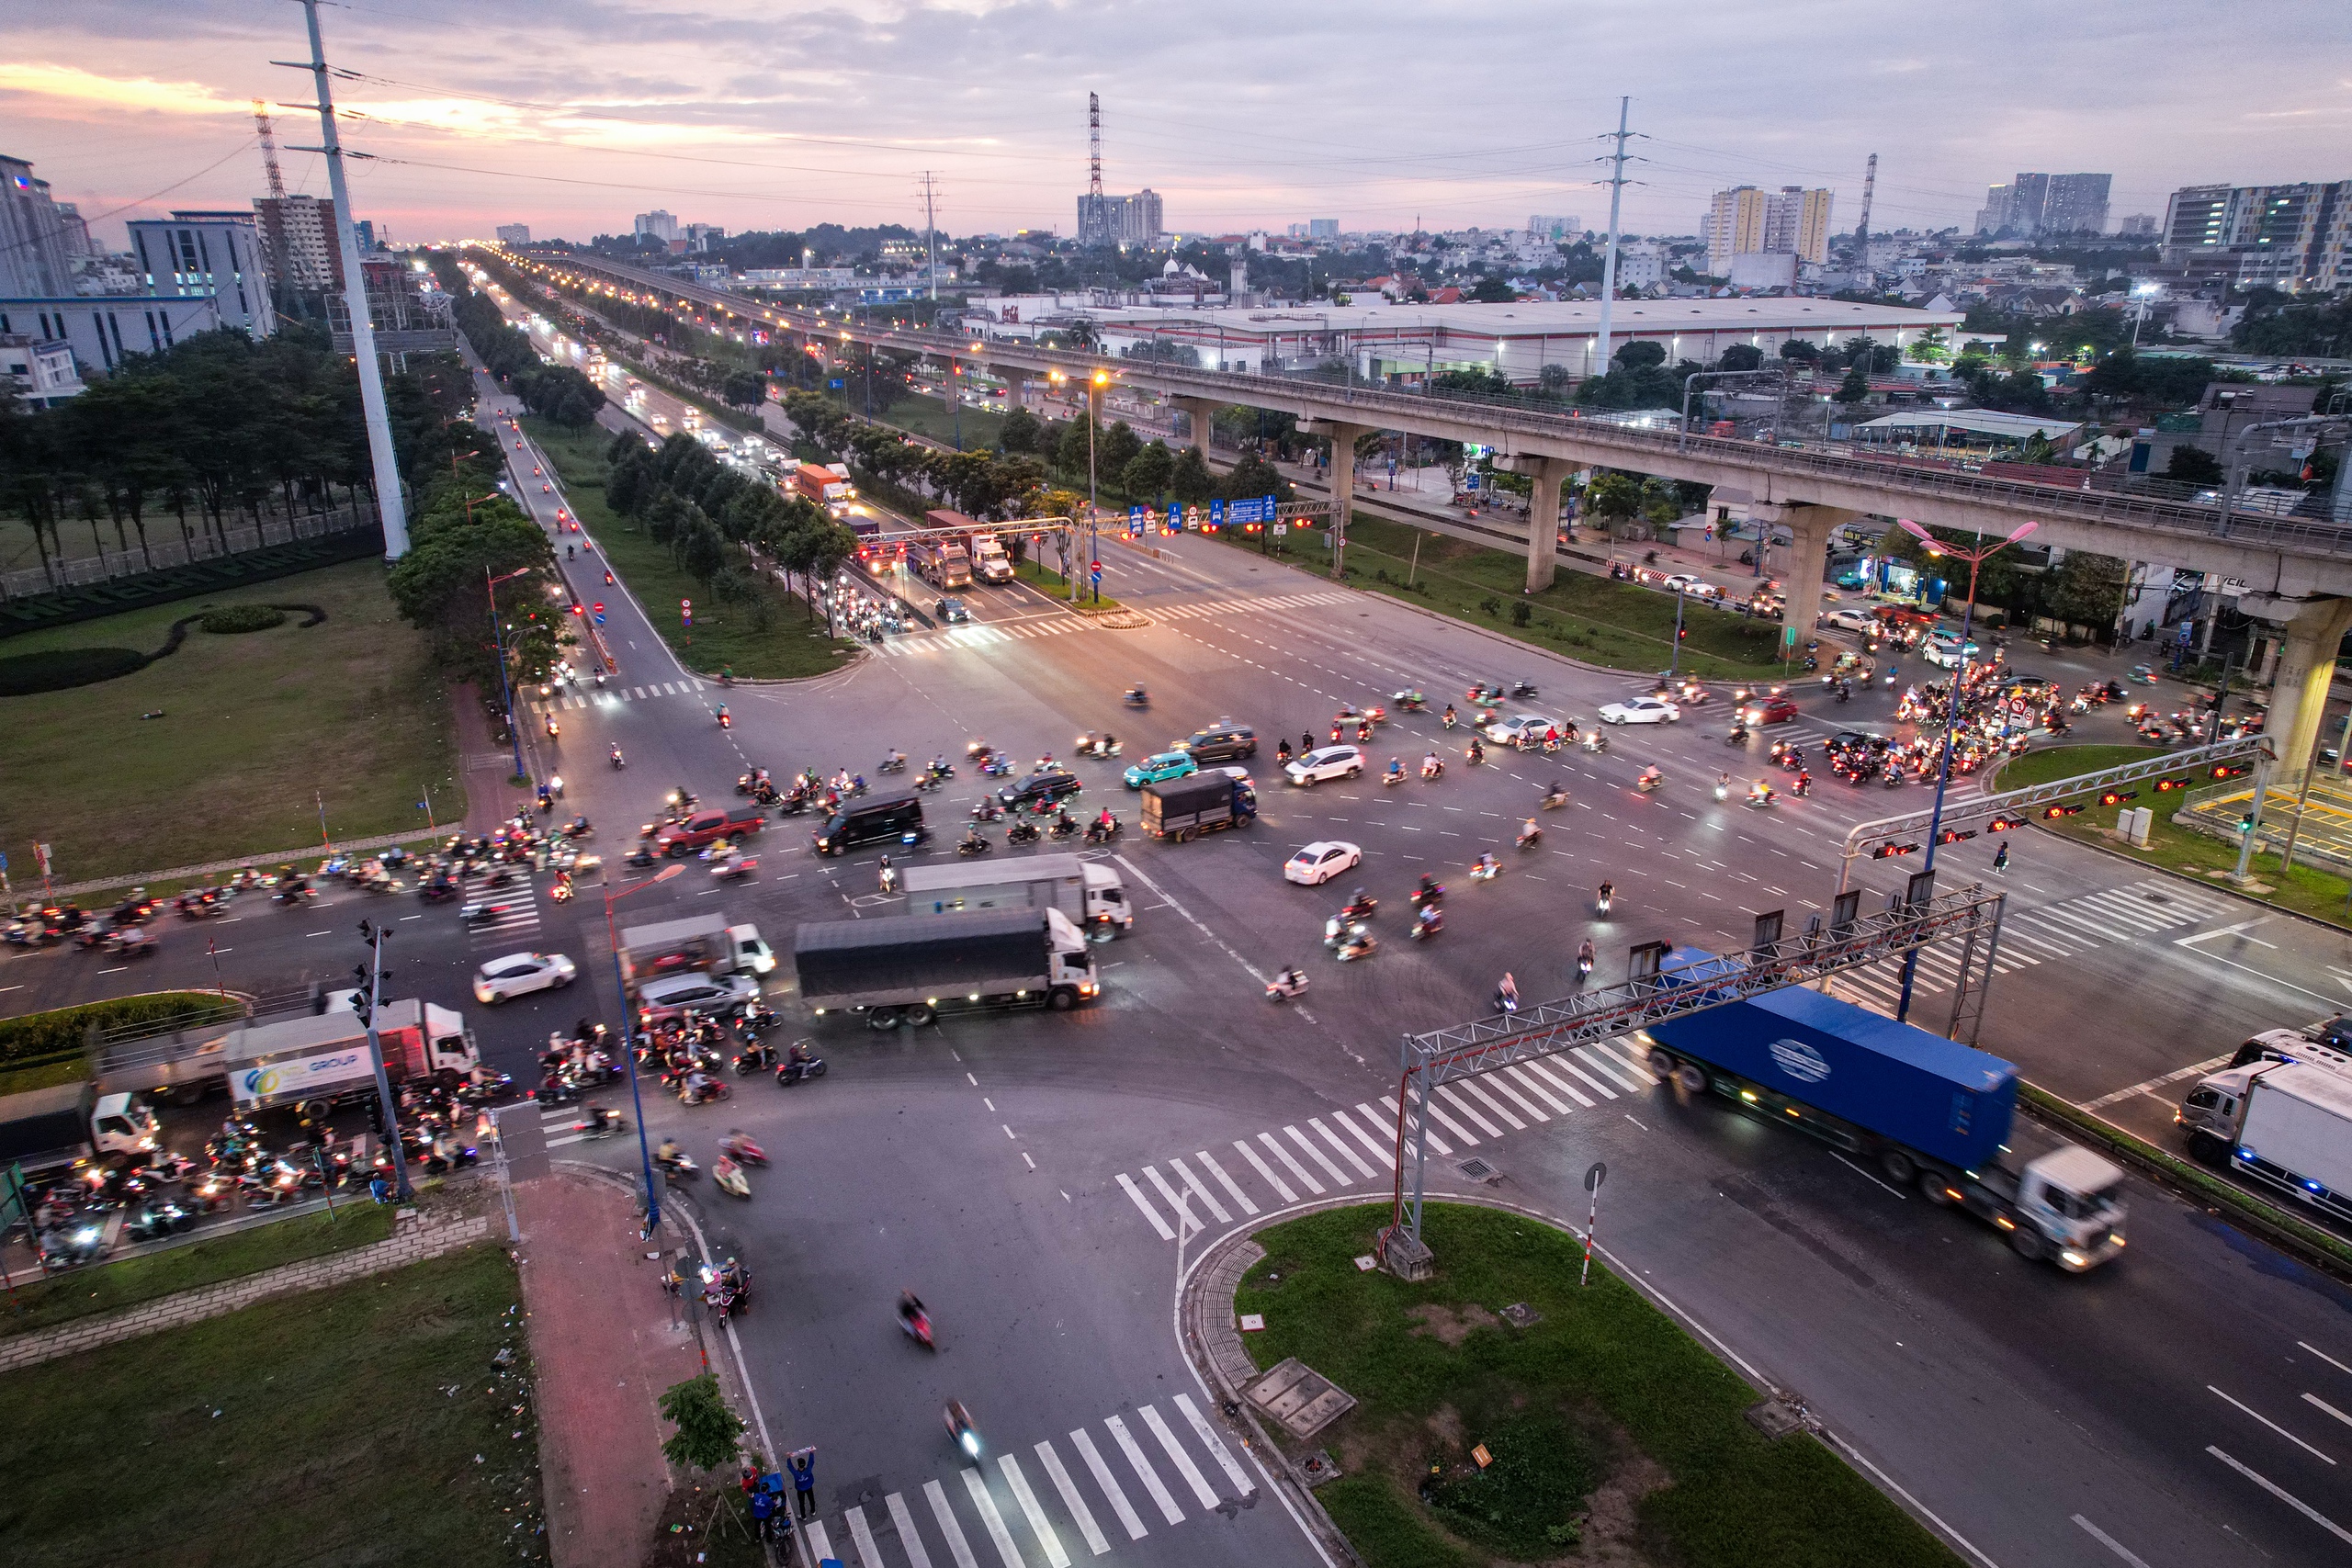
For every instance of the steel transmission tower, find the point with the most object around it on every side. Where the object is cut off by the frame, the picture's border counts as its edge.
(1862, 224)
(268, 149)
(1616, 183)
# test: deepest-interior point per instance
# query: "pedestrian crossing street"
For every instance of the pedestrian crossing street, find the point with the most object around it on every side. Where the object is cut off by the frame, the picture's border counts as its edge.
(1029, 1506)
(1349, 1148)
(2030, 936)
(612, 696)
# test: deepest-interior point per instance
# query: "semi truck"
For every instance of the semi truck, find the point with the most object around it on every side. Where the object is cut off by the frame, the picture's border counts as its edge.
(911, 968)
(69, 1123)
(2286, 1125)
(1200, 803)
(1087, 891)
(988, 562)
(1930, 1112)
(708, 942)
(824, 486)
(295, 1060)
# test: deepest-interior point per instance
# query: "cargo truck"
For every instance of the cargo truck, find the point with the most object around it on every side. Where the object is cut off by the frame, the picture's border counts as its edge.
(943, 563)
(42, 1129)
(824, 486)
(1089, 892)
(265, 1064)
(911, 968)
(1203, 803)
(989, 563)
(1930, 1112)
(2288, 1124)
(707, 943)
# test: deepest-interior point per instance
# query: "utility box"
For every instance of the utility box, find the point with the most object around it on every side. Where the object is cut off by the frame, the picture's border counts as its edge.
(2133, 824)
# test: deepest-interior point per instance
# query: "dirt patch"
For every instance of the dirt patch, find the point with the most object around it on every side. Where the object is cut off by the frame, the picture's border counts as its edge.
(1613, 1523)
(1451, 1325)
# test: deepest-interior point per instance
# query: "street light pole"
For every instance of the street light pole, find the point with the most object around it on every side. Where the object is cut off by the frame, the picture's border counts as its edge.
(1094, 384)
(1975, 559)
(1674, 663)
(506, 682)
(628, 1040)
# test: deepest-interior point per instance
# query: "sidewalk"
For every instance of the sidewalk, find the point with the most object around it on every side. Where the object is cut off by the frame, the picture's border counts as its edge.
(486, 763)
(607, 1342)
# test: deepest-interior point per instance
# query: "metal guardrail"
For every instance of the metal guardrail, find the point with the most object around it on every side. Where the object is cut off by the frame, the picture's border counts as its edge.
(1629, 448)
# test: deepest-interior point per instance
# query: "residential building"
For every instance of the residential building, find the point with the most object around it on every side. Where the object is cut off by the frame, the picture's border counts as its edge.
(298, 235)
(1641, 264)
(2291, 237)
(208, 252)
(77, 233)
(1745, 221)
(1734, 226)
(41, 371)
(2138, 224)
(657, 225)
(1557, 229)
(702, 236)
(362, 230)
(1119, 219)
(1796, 222)
(1322, 228)
(2033, 205)
(34, 260)
(514, 233)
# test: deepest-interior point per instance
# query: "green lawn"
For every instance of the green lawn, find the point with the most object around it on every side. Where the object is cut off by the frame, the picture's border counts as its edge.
(84, 1292)
(931, 417)
(2307, 890)
(1614, 624)
(724, 636)
(1051, 583)
(362, 1425)
(256, 731)
(1605, 1392)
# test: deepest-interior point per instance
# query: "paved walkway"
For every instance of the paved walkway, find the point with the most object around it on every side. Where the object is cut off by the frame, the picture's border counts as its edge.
(416, 1241)
(607, 1342)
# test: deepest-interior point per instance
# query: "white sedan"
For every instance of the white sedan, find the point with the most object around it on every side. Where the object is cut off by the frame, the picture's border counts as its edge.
(1320, 862)
(1527, 729)
(1640, 710)
(520, 974)
(1326, 762)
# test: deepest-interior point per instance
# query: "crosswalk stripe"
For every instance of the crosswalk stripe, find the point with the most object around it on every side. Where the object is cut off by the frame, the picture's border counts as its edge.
(1604, 1063)
(985, 1506)
(1607, 1091)
(1096, 1541)
(1197, 1185)
(573, 1138)
(1128, 1519)
(1296, 1169)
(816, 1536)
(1630, 1060)
(1184, 1210)
(2115, 907)
(1439, 1144)
(905, 1520)
(1339, 1177)
(1548, 1074)
(1529, 1084)
(1150, 1477)
(1039, 1525)
(1463, 1135)
(1215, 1445)
(1451, 1094)
(1383, 1157)
(1230, 1186)
(1145, 1204)
(1346, 1152)
(1265, 1171)
(862, 1533)
(1486, 1096)
(1501, 1083)
(2060, 918)
(1184, 1465)
(957, 1547)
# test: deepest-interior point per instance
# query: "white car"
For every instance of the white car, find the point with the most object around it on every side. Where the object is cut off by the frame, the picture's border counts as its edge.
(1326, 762)
(1526, 730)
(1640, 710)
(1944, 650)
(1846, 620)
(673, 995)
(1320, 862)
(1695, 587)
(520, 974)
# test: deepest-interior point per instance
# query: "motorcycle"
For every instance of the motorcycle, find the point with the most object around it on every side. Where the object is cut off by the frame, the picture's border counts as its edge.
(1484, 870)
(1431, 921)
(1136, 697)
(737, 1146)
(1723, 792)
(1762, 796)
(1360, 945)
(726, 1288)
(1523, 688)
(729, 1177)
(1065, 826)
(915, 1324)
(1393, 777)
(988, 810)
(1409, 701)
(1027, 833)
(1091, 746)
(1338, 932)
(1505, 1002)
(1554, 799)
(734, 868)
(1360, 907)
(972, 844)
(1433, 769)
(1597, 741)
(1530, 838)
(757, 1057)
(1285, 987)
(711, 1088)
(725, 722)
(894, 763)
(1584, 967)
(1100, 833)
(678, 1168)
(796, 1068)
(603, 1122)
(960, 1429)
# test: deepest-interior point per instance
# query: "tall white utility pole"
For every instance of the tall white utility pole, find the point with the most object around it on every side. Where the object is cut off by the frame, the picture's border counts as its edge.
(355, 298)
(1616, 183)
(931, 229)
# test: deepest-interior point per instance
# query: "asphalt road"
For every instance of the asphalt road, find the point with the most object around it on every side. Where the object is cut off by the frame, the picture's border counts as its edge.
(2187, 1404)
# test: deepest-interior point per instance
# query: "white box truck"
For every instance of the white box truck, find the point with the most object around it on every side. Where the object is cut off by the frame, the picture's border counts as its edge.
(1087, 891)
(708, 942)
(2287, 1124)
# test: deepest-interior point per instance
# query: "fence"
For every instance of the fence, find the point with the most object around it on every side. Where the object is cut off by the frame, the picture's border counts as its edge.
(166, 551)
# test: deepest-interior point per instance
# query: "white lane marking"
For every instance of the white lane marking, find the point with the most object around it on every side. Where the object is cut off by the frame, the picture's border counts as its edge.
(1191, 1471)
(2313, 1399)
(2284, 1496)
(1451, 1095)
(1197, 1185)
(957, 1547)
(862, 1533)
(1267, 1171)
(1382, 1157)
(1072, 1499)
(1345, 1152)
(1565, 1061)
(1611, 1066)
(2269, 1423)
(1339, 1177)
(1039, 1525)
(899, 1516)
(1546, 1089)
(2324, 1357)
(1296, 1169)
(1232, 1186)
(1128, 1520)
(1151, 1477)
(985, 1506)
(1145, 1204)
(1215, 1445)
(1175, 1200)
(2195, 1070)
(1435, 1142)
(822, 1542)
(1496, 1083)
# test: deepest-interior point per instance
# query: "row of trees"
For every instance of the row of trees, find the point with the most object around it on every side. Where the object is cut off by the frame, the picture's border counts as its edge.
(718, 521)
(558, 393)
(464, 532)
(2085, 589)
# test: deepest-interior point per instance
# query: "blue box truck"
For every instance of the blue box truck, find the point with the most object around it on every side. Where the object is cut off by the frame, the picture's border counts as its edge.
(1931, 1112)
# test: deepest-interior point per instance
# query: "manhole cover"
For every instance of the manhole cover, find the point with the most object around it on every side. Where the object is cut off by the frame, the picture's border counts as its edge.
(1518, 1314)
(1478, 1170)
(1317, 1467)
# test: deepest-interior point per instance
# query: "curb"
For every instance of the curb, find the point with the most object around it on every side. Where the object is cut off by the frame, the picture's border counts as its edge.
(173, 874)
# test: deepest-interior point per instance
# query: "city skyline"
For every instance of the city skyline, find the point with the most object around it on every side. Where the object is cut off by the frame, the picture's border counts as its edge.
(579, 121)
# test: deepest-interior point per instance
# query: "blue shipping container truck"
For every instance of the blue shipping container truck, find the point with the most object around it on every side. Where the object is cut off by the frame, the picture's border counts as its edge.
(1930, 1110)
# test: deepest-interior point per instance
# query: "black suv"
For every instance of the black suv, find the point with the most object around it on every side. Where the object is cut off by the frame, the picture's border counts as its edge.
(1038, 789)
(1223, 741)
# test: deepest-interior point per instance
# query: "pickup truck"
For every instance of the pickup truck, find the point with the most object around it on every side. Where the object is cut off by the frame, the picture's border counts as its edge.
(706, 827)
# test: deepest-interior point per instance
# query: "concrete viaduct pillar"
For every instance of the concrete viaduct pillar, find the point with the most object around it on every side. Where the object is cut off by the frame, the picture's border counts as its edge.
(1017, 386)
(1542, 513)
(1810, 527)
(1199, 410)
(2306, 666)
(1343, 477)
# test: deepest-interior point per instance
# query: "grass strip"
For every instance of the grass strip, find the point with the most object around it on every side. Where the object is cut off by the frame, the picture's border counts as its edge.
(1603, 1385)
(362, 1424)
(108, 1287)
(1051, 583)
(791, 645)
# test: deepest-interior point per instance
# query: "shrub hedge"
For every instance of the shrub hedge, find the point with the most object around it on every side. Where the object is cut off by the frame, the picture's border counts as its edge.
(231, 618)
(61, 668)
(36, 1036)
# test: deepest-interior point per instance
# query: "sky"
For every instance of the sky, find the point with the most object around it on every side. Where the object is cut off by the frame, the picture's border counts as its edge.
(573, 114)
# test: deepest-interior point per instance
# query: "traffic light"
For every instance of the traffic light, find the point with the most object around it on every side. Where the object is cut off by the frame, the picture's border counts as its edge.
(2227, 769)
(2051, 813)
(1681, 632)
(2003, 824)
(1886, 851)
(2117, 796)
(2164, 786)
(1954, 835)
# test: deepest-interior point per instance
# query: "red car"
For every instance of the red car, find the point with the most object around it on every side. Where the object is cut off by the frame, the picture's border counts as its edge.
(1770, 710)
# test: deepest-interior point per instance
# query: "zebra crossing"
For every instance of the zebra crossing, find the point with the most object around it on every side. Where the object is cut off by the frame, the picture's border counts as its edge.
(1351, 1147)
(2063, 929)
(520, 913)
(1246, 606)
(1056, 1513)
(977, 634)
(612, 696)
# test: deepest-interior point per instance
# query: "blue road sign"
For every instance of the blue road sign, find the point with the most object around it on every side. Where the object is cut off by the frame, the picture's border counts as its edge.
(1216, 515)
(600, 618)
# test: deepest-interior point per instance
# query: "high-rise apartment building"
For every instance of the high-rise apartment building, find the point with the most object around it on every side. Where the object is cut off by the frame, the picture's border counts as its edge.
(1734, 226)
(2033, 205)
(77, 233)
(34, 260)
(514, 233)
(1119, 219)
(219, 253)
(297, 236)
(1322, 228)
(1796, 222)
(657, 225)
(2293, 237)
(1745, 221)
(1556, 229)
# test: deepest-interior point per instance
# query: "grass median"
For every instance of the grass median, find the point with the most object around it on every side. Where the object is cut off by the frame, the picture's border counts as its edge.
(1610, 1433)
(777, 641)
(2304, 889)
(234, 744)
(1616, 626)
(363, 1423)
